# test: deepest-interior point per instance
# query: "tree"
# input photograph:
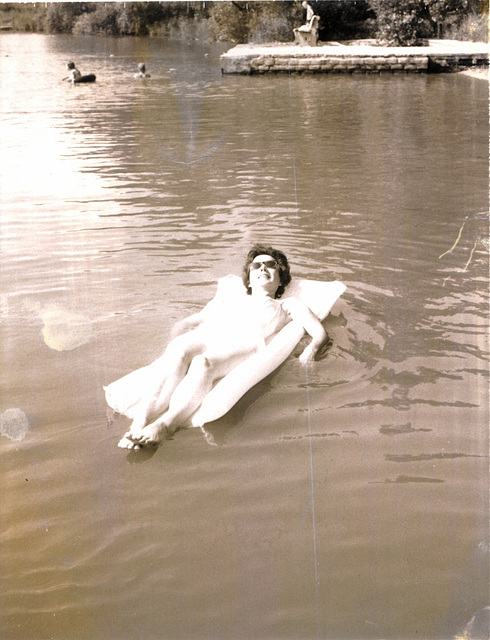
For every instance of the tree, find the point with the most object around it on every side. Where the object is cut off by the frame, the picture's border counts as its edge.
(406, 22)
(255, 21)
(61, 16)
(343, 20)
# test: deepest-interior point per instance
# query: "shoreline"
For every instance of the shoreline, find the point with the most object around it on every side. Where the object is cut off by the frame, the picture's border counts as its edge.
(481, 73)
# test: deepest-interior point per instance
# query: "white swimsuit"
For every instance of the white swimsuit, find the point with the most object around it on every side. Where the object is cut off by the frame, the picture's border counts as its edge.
(242, 322)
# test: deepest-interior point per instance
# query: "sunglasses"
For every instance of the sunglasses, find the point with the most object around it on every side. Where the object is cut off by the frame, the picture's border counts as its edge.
(270, 264)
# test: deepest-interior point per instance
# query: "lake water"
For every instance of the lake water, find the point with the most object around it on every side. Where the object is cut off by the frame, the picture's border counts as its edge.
(345, 501)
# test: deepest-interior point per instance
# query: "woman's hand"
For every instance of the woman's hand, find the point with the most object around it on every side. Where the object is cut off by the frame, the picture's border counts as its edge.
(308, 354)
(299, 312)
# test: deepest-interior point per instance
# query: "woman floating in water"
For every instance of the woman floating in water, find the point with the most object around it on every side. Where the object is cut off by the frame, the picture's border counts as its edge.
(218, 338)
(142, 71)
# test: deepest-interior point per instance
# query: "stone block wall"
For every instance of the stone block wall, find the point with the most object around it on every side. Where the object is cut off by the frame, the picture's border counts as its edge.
(304, 63)
(332, 64)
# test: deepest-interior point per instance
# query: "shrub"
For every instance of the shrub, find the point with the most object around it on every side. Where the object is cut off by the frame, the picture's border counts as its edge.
(344, 20)
(242, 22)
(130, 20)
(83, 25)
(400, 22)
(101, 21)
(406, 22)
(61, 16)
(186, 29)
(274, 21)
(473, 27)
(136, 18)
(119, 18)
(26, 17)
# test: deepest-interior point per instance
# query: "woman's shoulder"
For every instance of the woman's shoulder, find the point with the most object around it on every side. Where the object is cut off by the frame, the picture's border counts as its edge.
(291, 302)
(230, 287)
(229, 293)
(295, 307)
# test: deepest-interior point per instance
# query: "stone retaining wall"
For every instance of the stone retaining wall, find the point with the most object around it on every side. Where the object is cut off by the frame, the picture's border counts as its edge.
(348, 64)
(243, 60)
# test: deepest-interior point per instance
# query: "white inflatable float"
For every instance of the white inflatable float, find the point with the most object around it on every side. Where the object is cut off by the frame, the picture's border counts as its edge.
(124, 395)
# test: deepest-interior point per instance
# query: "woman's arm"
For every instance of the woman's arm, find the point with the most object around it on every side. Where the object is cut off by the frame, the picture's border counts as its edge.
(299, 312)
(208, 312)
(187, 324)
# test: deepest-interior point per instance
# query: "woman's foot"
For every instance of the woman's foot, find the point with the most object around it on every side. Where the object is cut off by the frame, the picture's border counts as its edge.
(152, 435)
(126, 443)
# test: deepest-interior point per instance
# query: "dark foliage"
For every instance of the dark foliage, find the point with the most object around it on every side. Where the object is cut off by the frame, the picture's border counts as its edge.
(61, 16)
(400, 22)
(409, 22)
(344, 20)
(242, 22)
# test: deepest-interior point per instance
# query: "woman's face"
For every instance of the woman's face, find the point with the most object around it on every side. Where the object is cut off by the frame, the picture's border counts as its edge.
(264, 274)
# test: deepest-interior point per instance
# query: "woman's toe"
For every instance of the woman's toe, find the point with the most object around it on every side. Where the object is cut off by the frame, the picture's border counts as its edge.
(125, 443)
(136, 437)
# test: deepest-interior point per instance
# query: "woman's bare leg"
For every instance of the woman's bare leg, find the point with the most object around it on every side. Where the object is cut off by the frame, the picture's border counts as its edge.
(189, 394)
(185, 400)
(174, 364)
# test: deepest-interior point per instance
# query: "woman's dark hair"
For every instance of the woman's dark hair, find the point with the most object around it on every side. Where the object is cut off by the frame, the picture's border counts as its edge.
(279, 257)
(71, 65)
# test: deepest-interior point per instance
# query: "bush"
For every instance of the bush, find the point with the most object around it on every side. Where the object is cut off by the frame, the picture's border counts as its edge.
(101, 21)
(242, 22)
(186, 29)
(344, 20)
(130, 20)
(399, 22)
(140, 18)
(473, 28)
(61, 16)
(177, 20)
(407, 22)
(137, 18)
(26, 17)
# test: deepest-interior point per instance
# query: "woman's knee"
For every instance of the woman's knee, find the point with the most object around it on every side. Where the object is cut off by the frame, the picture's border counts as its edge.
(209, 366)
(182, 348)
(201, 364)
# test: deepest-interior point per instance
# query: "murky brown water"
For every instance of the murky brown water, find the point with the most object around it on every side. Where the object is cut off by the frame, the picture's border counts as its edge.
(349, 501)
